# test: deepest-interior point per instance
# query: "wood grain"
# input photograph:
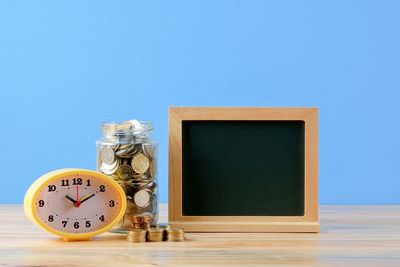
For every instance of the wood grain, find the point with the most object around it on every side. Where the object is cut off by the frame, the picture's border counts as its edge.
(307, 223)
(350, 236)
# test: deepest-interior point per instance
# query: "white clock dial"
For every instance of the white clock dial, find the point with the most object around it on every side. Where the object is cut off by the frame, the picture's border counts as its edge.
(77, 204)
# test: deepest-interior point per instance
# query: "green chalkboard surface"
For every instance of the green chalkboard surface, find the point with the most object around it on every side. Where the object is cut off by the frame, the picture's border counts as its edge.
(242, 168)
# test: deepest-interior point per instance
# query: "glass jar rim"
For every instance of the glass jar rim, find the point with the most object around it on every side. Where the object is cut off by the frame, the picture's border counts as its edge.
(116, 127)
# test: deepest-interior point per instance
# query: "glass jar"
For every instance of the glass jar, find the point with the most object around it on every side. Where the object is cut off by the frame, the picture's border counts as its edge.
(127, 153)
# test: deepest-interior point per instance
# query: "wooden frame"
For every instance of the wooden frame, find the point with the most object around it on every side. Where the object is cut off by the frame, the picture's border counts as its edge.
(307, 223)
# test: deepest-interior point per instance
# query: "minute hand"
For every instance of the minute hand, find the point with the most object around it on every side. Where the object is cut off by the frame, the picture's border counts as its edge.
(87, 198)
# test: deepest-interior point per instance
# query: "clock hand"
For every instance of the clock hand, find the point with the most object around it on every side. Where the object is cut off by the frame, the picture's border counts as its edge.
(87, 198)
(70, 198)
(80, 200)
(77, 203)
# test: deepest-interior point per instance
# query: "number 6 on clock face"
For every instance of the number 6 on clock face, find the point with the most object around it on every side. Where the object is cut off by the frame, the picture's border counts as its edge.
(75, 204)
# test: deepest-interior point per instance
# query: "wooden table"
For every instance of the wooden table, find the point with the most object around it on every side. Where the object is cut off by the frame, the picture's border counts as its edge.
(350, 235)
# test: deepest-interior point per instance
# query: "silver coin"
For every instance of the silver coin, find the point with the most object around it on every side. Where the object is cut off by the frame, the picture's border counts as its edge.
(122, 148)
(150, 186)
(109, 168)
(126, 150)
(107, 155)
(141, 198)
(149, 150)
(151, 191)
(153, 169)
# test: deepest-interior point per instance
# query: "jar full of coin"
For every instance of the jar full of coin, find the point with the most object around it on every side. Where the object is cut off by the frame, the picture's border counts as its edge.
(127, 153)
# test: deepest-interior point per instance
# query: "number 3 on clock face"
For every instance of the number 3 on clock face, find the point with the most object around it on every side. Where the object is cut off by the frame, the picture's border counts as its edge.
(75, 204)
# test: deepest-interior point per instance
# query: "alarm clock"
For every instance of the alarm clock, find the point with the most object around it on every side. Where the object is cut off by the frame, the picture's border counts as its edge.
(75, 204)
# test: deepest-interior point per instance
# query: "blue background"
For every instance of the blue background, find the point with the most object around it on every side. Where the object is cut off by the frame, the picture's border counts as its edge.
(66, 66)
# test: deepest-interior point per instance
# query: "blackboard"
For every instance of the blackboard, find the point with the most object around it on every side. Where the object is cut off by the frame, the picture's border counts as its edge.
(243, 168)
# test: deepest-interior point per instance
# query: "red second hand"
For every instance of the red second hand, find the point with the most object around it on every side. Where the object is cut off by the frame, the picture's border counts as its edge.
(77, 197)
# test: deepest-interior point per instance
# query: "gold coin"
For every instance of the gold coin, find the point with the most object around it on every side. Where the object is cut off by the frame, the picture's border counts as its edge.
(140, 163)
(124, 127)
(125, 172)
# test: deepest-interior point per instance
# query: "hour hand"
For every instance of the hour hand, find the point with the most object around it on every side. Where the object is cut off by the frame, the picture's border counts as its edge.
(70, 198)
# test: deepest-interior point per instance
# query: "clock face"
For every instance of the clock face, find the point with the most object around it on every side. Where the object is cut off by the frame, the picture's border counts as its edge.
(78, 204)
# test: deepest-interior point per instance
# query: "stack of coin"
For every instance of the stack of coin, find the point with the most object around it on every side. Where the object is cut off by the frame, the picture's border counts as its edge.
(175, 234)
(140, 222)
(136, 235)
(129, 157)
(155, 234)
(163, 226)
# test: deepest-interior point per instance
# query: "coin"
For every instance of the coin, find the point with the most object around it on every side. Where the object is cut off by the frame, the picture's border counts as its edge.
(109, 168)
(164, 226)
(141, 198)
(125, 172)
(140, 163)
(107, 155)
(126, 150)
(149, 150)
(153, 169)
(136, 125)
(109, 130)
(124, 127)
(150, 187)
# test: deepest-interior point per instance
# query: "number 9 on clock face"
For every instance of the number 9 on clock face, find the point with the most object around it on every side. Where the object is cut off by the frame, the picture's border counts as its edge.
(75, 204)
